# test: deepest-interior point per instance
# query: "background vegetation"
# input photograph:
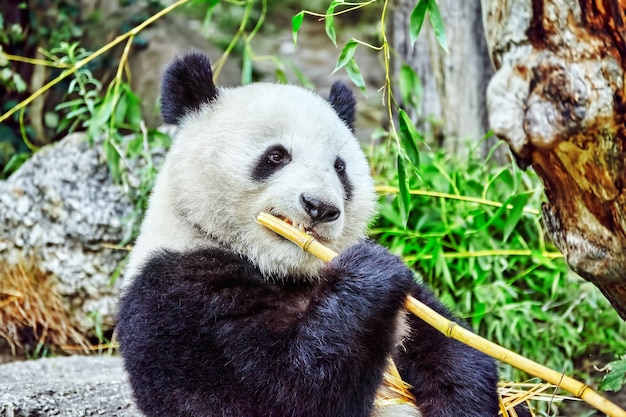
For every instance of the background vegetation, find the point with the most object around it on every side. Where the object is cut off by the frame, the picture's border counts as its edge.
(471, 228)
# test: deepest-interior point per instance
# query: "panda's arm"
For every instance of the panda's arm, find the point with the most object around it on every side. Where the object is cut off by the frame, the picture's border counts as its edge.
(448, 376)
(331, 360)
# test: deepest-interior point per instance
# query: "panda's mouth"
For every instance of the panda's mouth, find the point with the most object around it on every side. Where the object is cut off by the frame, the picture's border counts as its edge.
(309, 230)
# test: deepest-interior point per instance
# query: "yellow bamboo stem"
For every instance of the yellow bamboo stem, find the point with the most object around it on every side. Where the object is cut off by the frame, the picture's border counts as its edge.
(385, 189)
(453, 330)
(305, 241)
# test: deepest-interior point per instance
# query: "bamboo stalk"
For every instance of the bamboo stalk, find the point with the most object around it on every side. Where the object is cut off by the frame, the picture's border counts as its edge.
(455, 331)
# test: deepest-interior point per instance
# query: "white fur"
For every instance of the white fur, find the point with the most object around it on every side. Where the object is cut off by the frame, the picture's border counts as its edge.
(206, 179)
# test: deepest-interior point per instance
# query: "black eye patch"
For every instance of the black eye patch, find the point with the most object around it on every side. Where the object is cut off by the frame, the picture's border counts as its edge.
(340, 169)
(274, 158)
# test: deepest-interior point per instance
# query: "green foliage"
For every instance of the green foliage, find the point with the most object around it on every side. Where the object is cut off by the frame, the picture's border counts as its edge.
(616, 377)
(83, 92)
(60, 111)
(410, 87)
(346, 55)
(410, 138)
(346, 59)
(296, 24)
(473, 232)
(329, 21)
(416, 20)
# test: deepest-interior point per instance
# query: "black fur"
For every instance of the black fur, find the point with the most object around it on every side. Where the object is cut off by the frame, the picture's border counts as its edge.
(187, 85)
(340, 168)
(343, 102)
(273, 159)
(203, 333)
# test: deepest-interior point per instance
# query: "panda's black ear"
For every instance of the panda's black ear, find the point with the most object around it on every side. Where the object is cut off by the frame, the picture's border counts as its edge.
(187, 85)
(343, 102)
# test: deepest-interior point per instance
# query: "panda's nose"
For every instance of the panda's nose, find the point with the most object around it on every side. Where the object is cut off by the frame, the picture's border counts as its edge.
(318, 210)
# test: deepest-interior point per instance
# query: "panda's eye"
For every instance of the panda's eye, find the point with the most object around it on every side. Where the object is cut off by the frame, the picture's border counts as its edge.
(340, 166)
(340, 169)
(276, 157)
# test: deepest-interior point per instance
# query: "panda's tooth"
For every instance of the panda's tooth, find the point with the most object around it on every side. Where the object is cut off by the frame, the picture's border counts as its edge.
(301, 227)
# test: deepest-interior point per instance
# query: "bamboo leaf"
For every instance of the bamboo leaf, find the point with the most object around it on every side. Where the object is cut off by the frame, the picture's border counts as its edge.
(417, 19)
(134, 107)
(616, 378)
(113, 159)
(437, 22)
(404, 195)
(347, 53)
(410, 87)
(281, 77)
(518, 202)
(329, 22)
(409, 137)
(355, 74)
(296, 23)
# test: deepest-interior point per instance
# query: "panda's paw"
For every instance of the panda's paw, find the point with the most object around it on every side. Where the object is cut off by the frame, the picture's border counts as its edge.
(372, 267)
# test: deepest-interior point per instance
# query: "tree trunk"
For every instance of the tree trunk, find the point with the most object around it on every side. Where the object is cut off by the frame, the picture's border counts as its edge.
(454, 83)
(558, 100)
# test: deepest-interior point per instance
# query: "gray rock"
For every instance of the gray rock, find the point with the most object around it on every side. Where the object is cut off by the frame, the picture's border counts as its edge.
(60, 209)
(74, 386)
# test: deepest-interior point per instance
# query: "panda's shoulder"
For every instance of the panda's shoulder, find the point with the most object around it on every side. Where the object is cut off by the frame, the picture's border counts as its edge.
(164, 269)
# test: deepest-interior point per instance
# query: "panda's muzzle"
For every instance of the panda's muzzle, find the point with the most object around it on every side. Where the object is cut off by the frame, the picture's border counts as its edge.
(319, 211)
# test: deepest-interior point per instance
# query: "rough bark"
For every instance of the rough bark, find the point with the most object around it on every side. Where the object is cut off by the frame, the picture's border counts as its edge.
(454, 83)
(557, 99)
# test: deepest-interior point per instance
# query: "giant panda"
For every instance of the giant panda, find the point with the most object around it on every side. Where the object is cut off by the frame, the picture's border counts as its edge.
(222, 317)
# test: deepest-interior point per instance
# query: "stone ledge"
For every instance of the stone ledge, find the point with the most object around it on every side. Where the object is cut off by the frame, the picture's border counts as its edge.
(74, 386)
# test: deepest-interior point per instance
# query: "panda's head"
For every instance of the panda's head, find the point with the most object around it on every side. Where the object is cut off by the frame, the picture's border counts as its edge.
(262, 147)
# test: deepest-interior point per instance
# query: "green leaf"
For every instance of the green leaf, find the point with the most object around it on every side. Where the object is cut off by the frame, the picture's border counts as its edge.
(113, 160)
(616, 378)
(159, 139)
(442, 270)
(404, 194)
(417, 19)
(353, 71)
(437, 22)
(479, 310)
(101, 117)
(281, 77)
(329, 22)
(410, 87)
(409, 137)
(16, 160)
(296, 23)
(514, 214)
(67, 104)
(133, 114)
(120, 109)
(506, 219)
(347, 53)
(20, 85)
